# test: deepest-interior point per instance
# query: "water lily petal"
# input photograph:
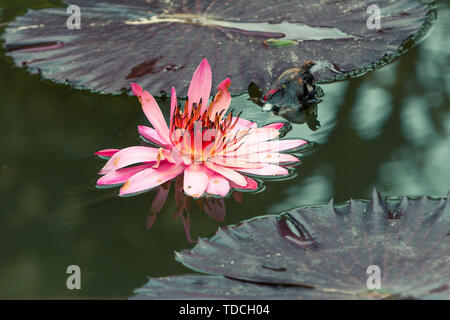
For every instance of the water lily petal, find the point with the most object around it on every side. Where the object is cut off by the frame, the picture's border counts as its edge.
(128, 156)
(276, 125)
(257, 135)
(266, 147)
(137, 89)
(244, 124)
(268, 157)
(228, 173)
(222, 99)
(107, 153)
(173, 105)
(286, 158)
(153, 136)
(200, 86)
(121, 175)
(155, 116)
(232, 162)
(267, 170)
(217, 184)
(283, 145)
(251, 184)
(195, 180)
(150, 178)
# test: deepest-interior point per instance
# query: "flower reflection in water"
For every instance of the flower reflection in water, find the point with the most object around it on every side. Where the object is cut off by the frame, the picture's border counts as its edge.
(213, 206)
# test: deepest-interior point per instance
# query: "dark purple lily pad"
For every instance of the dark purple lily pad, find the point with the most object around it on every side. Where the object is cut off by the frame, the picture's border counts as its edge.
(193, 287)
(330, 249)
(158, 44)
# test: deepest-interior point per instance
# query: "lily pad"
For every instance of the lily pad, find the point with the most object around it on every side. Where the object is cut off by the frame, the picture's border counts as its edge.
(333, 250)
(193, 287)
(159, 43)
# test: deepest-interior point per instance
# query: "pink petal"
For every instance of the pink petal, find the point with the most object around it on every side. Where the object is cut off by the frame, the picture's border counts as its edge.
(173, 105)
(217, 184)
(251, 185)
(153, 136)
(267, 147)
(222, 99)
(244, 124)
(268, 157)
(233, 162)
(128, 156)
(267, 170)
(257, 135)
(283, 145)
(287, 158)
(155, 116)
(107, 153)
(200, 86)
(121, 175)
(137, 89)
(150, 178)
(276, 125)
(195, 180)
(228, 173)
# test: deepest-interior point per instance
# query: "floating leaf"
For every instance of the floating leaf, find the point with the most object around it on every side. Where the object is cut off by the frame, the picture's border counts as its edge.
(159, 43)
(190, 287)
(332, 250)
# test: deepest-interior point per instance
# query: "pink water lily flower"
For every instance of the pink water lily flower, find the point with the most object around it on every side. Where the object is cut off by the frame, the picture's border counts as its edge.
(214, 150)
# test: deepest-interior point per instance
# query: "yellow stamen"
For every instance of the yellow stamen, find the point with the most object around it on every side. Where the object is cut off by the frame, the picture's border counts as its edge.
(159, 157)
(126, 185)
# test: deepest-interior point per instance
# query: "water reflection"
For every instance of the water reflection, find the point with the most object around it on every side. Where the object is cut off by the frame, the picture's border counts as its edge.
(306, 115)
(371, 111)
(214, 207)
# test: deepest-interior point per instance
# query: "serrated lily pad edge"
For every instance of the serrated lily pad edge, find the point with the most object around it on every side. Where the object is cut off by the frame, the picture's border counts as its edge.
(404, 47)
(407, 44)
(376, 198)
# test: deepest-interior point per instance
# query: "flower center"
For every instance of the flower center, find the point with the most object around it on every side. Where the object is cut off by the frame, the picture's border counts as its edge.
(198, 134)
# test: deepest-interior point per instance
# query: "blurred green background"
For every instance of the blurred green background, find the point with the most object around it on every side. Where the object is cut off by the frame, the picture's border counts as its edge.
(389, 128)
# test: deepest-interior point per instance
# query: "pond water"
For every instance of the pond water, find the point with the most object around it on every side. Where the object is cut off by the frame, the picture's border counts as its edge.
(389, 128)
